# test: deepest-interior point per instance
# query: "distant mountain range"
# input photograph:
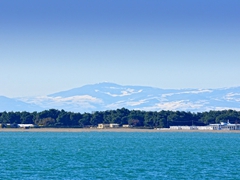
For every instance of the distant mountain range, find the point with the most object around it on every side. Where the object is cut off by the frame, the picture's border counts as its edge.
(108, 96)
(11, 104)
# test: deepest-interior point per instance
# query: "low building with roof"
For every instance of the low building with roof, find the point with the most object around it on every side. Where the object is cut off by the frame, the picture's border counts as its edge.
(26, 126)
(225, 126)
(102, 126)
(126, 126)
(220, 126)
(112, 125)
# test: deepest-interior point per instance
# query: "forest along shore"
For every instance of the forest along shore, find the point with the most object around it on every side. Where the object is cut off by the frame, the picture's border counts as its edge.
(135, 118)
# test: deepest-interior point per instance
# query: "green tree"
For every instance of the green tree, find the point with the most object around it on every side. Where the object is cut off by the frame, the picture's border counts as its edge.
(63, 119)
(136, 118)
(85, 120)
(96, 118)
(74, 118)
(4, 118)
(26, 118)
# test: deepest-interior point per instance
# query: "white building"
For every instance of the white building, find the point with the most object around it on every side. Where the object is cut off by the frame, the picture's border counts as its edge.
(225, 126)
(114, 125)
(221, 126)
(183, 127)
(26, 125)
(102, 126)
(126, 126)
(204, 127)
(175, 127)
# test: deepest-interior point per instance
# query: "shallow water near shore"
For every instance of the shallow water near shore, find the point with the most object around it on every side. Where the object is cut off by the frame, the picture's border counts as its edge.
(119, 155)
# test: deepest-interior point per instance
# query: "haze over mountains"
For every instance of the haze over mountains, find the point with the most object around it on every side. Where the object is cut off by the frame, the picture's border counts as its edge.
(108, 96)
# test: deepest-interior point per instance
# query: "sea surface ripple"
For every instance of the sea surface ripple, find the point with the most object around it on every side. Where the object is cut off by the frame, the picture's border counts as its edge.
(119, 155)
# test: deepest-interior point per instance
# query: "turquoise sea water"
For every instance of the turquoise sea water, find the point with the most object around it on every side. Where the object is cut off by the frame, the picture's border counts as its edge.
(119, 155)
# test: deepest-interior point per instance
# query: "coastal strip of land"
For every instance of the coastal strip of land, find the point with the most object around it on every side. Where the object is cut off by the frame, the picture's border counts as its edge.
(108, 130)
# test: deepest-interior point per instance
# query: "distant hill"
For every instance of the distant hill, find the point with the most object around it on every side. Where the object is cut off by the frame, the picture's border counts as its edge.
(10, 104)
(107, 96)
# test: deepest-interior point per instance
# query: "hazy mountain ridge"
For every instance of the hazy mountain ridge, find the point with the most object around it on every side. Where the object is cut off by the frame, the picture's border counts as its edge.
(105, 96)
(11, 104)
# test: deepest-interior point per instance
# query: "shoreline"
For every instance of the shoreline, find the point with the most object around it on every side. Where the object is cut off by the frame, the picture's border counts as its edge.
(110, 130)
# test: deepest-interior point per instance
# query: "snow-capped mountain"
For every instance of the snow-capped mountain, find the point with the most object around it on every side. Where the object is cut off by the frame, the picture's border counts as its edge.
(107, 96)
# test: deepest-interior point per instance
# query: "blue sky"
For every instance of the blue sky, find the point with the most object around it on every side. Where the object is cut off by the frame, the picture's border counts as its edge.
(53, 45)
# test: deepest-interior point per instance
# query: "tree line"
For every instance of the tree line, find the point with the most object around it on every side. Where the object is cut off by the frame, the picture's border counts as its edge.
(136, 118)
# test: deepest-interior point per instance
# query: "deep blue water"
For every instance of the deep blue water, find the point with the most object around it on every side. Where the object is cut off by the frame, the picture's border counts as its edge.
(119, 155)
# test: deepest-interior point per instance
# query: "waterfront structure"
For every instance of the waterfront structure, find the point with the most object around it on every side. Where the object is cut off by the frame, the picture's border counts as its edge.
(183, 127)
(204, 128)
(126, 126)
(26, 125)
(220, 126)
(225, 126)
(102, 126)
(112, 125)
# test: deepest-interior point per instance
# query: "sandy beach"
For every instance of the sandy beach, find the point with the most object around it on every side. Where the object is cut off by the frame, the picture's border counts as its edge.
(76, 130)
(107, 130)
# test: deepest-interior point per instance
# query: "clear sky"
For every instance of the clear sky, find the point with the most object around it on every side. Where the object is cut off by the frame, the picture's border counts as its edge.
(48, 46)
